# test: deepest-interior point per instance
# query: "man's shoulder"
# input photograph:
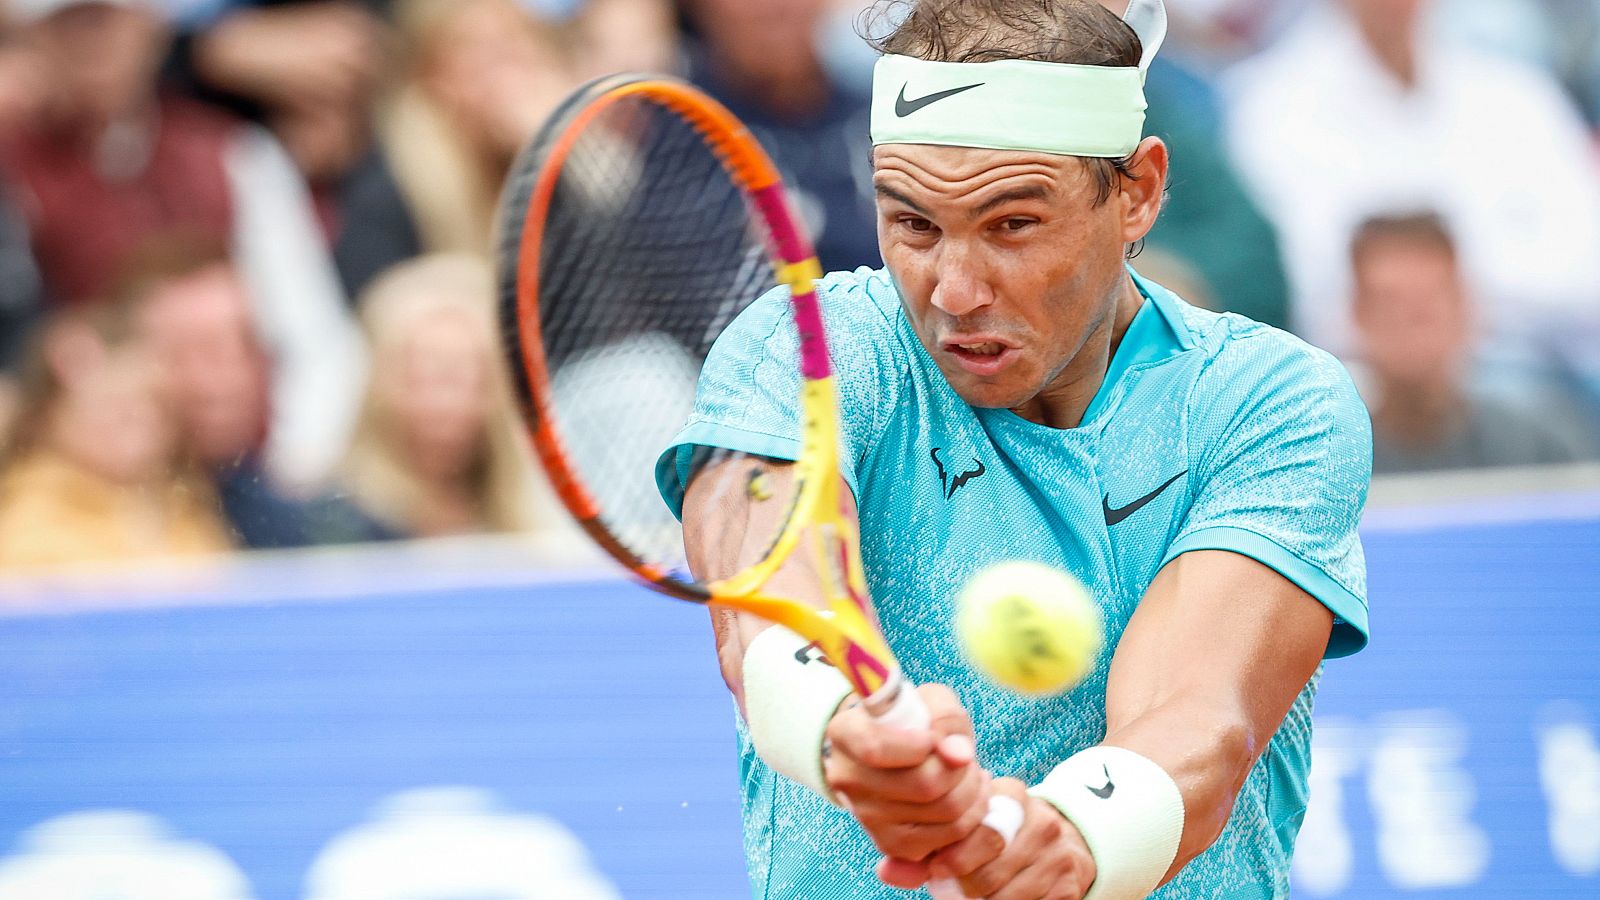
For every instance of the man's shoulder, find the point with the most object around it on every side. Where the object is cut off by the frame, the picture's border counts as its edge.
(1242, 360)
(864, 295)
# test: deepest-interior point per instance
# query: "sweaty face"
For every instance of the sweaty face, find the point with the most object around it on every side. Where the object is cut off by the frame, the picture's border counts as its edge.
(1007, 267)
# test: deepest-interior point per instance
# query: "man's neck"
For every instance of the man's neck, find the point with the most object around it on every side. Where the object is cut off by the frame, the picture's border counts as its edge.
(1063, 403)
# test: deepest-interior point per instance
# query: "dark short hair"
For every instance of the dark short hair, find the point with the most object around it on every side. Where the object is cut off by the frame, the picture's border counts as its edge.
(1418, 228)
(1074, 32)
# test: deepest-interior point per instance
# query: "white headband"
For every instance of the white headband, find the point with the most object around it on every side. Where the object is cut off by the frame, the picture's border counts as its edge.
(1015, 104)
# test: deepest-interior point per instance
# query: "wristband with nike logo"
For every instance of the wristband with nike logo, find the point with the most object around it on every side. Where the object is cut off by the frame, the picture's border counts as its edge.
(1129, 811)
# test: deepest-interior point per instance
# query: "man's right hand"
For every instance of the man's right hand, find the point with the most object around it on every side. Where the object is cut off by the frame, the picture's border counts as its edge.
(913, 792)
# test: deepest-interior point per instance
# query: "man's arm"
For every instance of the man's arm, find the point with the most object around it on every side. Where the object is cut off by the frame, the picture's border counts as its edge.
(1210, 663)
(923, 791)
(725, 529)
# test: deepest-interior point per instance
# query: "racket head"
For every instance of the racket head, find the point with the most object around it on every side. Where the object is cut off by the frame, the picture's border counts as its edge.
(639, 222)
(556, 318)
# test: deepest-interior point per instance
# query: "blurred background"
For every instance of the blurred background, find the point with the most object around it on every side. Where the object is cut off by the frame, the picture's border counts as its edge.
(287, 610)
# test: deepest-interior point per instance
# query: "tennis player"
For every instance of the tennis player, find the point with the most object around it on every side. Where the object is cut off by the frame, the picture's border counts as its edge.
(1011, 388)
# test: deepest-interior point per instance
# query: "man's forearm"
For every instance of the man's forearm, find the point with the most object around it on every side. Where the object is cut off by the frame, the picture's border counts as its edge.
(1207, 752)
(731, 512)
(1211, 662)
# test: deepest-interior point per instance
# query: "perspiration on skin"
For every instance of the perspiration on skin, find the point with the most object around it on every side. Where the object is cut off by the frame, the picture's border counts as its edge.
(1011, 253)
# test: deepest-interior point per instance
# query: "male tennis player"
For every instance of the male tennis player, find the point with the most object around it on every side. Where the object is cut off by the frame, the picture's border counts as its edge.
(1009, 388)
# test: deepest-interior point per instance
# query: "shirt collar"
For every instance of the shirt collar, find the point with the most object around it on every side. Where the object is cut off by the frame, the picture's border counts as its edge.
(1157, 332)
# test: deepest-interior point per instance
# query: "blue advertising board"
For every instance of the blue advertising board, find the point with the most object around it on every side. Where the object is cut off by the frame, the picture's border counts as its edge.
(381, 727)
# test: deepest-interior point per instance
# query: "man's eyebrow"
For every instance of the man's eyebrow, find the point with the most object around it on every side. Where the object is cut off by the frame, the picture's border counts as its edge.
(898, 197)
(1031, 192)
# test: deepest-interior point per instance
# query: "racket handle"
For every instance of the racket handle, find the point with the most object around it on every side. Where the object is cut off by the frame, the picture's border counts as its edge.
(906, 710)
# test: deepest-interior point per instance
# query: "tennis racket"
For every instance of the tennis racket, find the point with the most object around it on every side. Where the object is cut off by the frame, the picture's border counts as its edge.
(641, 220)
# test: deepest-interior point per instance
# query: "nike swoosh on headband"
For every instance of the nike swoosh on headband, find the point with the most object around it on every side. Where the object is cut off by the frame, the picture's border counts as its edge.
(904, 107)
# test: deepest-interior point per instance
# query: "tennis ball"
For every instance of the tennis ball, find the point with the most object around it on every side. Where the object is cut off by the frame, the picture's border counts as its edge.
(1028, 626)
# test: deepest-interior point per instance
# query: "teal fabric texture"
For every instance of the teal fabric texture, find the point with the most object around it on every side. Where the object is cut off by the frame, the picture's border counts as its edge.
(1210, 431)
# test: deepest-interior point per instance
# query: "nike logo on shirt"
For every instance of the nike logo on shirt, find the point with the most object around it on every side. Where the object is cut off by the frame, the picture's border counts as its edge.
(1115, 516)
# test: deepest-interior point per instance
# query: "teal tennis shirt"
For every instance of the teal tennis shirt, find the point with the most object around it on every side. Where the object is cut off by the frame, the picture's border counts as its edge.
(1210, 432)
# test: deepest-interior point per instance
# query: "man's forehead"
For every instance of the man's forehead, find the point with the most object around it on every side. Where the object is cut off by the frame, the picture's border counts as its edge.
(962, 170)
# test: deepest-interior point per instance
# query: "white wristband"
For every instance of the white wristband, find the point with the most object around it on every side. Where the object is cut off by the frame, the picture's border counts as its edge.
(1129, 811)
(790, 694)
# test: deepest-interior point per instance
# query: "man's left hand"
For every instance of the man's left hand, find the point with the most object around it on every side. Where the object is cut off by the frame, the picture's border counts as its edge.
(1047, 860)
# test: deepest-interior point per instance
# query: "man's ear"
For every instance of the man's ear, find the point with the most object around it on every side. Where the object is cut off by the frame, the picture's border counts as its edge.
(1143, 189)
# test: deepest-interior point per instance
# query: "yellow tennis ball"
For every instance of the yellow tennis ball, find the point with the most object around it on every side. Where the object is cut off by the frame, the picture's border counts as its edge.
(1030, 627)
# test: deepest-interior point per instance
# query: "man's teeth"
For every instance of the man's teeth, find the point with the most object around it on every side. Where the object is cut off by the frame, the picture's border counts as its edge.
(983, 349)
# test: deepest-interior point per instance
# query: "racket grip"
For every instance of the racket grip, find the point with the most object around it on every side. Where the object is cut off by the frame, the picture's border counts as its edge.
(906, 710)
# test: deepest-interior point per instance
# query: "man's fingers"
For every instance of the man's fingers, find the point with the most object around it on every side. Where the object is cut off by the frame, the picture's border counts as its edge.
(917, 841)
(966, 800)
(928, 783)
(991, 875)
(1034, 882)
(856, 735)
(902, 873)
(981, 845)
(946, 715)
(956, 750)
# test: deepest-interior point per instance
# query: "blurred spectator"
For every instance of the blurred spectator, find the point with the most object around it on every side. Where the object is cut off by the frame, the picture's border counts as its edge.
(21, 298)
(21, 303)
(112, 161)
(1210, 34)
(1209, 222)
(1414, 326)
(194, 308)
(627, 36)
(22, 79)
(437, 450)
(92, 473)
(761, 58)
(479, 78)
(1560, 35)
(310, 70)
(1358, 111)
(22, 92)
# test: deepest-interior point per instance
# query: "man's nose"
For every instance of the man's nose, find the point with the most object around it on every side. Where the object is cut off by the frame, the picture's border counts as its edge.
(963, 287)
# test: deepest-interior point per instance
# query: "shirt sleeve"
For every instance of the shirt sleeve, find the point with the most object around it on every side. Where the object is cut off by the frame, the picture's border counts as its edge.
(748, 395)
(1282, 447)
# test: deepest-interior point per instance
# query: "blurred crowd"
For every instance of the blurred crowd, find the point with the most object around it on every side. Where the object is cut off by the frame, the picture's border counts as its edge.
(246, 286)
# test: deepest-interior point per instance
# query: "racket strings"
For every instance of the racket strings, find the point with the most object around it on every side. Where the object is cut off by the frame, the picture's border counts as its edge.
(648, 254)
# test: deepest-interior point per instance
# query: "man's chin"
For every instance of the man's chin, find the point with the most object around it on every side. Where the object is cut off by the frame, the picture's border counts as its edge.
(987, 395)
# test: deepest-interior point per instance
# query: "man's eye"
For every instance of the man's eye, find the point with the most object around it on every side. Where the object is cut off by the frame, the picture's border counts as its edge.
(916, 224)
(1017, 224)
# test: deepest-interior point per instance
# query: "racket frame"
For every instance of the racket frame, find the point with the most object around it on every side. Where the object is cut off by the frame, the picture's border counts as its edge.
(845, 629)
